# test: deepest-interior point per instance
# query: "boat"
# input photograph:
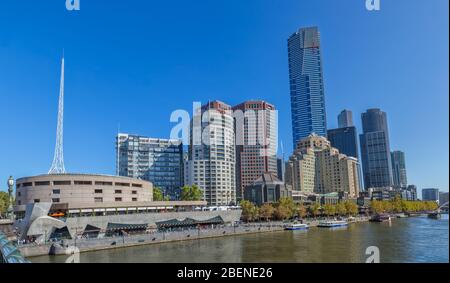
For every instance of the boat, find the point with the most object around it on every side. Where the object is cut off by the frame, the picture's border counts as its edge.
(380, 218)
(333, 223)
(434, 215)
(296, 226)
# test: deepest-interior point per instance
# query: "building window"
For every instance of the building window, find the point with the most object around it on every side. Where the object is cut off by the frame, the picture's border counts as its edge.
(19, 194)
(37, 200)
(29, 184)
(83, 182)
(62, 183)
(118, 199)
(43, 183)
(103, 183)
(98, 199)
(56, 192)
(134, 192)
(55, 199)
(123, 184)
(137, 185)
(118, 191)
(98, 191)
(134, 199)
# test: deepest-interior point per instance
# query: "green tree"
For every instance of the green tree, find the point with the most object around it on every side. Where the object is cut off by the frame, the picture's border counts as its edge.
(351, 208)
(314, 209)
(397, 204)
(249, 210)
(340, 209)
(376, 207)
(157, 194)
(4, 203)
(191, 193)
(288, 204)
(329, 209)
(301, 210)
(266, 211)
(282, 213)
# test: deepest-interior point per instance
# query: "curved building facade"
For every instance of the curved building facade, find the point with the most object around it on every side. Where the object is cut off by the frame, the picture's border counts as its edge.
(81, 189)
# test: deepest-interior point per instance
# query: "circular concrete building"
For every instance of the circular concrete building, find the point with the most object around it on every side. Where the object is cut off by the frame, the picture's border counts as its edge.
(81, 190)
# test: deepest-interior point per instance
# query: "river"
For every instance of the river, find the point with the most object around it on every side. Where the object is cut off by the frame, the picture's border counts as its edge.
(416, 239)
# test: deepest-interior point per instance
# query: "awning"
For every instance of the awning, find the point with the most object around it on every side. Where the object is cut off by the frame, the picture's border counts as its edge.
(189, 222)
(120, 227)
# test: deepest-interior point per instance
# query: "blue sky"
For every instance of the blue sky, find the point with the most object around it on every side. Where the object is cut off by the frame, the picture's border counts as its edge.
(134, 62)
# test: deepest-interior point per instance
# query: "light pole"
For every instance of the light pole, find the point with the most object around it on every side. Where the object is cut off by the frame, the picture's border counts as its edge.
(11, 199)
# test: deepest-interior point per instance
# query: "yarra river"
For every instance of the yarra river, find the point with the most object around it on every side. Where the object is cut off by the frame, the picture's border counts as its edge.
(416, 239)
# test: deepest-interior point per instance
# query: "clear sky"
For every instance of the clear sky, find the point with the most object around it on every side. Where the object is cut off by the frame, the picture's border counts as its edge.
(133, 62)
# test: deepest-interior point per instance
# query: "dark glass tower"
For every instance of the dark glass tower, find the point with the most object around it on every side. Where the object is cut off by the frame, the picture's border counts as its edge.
(375, 150)
(306, 84)
(399, 169)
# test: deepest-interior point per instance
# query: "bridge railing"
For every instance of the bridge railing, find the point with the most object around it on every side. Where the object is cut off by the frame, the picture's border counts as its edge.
(9, 252)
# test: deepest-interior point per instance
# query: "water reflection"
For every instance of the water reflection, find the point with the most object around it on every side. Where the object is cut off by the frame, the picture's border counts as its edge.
(403, 240)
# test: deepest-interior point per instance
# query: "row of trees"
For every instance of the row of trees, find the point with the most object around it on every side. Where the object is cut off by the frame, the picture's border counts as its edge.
(285, 208)
(398, 205)
(188, 193)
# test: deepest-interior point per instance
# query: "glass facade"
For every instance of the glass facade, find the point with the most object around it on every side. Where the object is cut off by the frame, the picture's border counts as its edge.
(306, 84)
(399, 169)
(345, 140)
(159, 161)
(375, 150)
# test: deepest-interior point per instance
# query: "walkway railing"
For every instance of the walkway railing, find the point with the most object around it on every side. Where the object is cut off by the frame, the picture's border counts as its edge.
(9, 253)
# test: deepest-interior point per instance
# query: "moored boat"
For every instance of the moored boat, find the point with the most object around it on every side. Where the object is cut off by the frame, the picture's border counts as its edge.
(380, 218)
(296, 226)
(332, 223)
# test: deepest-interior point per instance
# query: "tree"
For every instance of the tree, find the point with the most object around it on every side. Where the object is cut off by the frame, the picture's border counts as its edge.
(351, 208)
(191, 193)
(329, 209)
(266, 211)
(288, 205)
(376, 206)
(157, 194)
(314, 209)
(282, 213)
(301, 210)
(397, 204)
(340, 209)
(249, 210)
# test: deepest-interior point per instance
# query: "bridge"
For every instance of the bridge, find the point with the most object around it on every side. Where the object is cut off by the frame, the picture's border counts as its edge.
(9, 253)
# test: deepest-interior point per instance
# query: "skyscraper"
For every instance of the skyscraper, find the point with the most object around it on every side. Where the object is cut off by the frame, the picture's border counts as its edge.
(344, 139)
(399, 169)
(256, 142)
(306, 84)
(212, 153)
(375, 150)
(159, 161)
(345, 119)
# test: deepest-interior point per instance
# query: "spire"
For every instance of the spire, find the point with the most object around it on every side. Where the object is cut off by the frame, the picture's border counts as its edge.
(58, 159)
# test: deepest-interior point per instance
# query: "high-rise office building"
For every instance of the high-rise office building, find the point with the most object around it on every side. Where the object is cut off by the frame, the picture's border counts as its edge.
(212, 153)
(430, 194)
(281, 169)
(375, 150)
(345, 119)
(159, 161)
(256, 142)
(306, 84)
(399, 169)
(344, 139)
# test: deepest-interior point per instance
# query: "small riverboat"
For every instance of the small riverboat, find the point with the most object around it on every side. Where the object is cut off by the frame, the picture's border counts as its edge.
(434, 215)
(380, 218)
(296, 226)
(333, 223)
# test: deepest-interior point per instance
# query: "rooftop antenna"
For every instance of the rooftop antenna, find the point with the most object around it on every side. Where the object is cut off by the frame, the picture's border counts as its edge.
(58, 159)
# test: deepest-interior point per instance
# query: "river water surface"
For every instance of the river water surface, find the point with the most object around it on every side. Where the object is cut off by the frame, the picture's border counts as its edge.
(416, 239)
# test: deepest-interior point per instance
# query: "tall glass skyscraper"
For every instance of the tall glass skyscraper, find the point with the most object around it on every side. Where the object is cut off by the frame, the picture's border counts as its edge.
(306, 84)
(399, 169)
(375, 150)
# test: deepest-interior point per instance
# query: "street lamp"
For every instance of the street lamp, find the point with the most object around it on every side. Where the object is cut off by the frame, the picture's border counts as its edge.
(11, 199)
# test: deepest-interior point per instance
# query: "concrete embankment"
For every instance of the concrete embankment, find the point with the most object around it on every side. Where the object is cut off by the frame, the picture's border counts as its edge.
(87, 245)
